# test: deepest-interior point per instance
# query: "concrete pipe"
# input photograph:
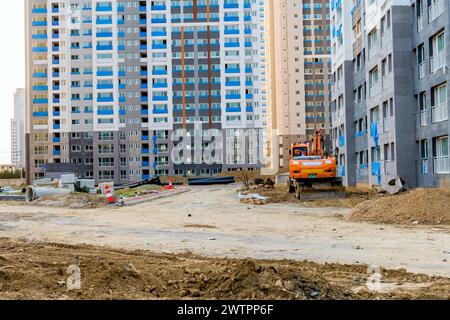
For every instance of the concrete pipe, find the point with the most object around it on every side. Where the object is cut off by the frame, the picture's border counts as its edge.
(32, 193)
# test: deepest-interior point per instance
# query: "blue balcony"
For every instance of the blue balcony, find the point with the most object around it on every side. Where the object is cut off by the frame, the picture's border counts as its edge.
(145, 151)
(105, 99)
(145, 138)
(231, 5)
(103, 8)
(121, 34)
(104, 73)
(247, 18)
(56, 152)
(159, 72)
(232, 31)
(56, 88)
(232, 45)
(232, 83)
(145, 164)
(54, 61)
(40, 49)
(55, 49)
(248, 70)
(160, 98)
(104, 34)
(143, 47)
(55, 23)
(163, 20)
(105, 112)
(249, 109)
(104, 21)
(249, 83)
(145, 177)
(144, 73)
(56, 126)
(40, 114)
(101, 48)
(144, 112)
(56, 114)
(157, 34)
(56, 100)
(122, 73)
(249, 96)
(39, 75)
(56, 140)
(105, 86)
(122, 112)
(55, 10)
(40, 88)
(40, 101)
(160, 111)
(248, 44)
(121, 47)
(144, 99)
(158, 85)
(39, 10)
(230, 18)
(122, 99)
(39, 23)
(233, 70)
(122, 86)
(233, 109)
(39, 36)
(120, 21)
(159, 46)
(158, 8)
(143, 8)
(233, 96)
(342, 141)
(120, 9)
(55, 36)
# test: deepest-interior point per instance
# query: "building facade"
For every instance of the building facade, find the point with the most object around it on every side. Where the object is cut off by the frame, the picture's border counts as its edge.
(18, 150)
(299, 74)
(386, 71)
(112, 82)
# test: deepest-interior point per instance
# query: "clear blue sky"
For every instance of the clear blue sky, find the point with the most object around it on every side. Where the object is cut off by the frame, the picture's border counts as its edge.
(12, 69)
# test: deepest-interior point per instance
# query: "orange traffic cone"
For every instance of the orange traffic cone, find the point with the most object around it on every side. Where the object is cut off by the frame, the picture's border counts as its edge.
(109, 195)
(170, 186)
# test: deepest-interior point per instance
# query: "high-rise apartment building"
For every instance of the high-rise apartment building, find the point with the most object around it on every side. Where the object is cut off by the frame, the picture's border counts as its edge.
(18, 155)
(110, 82)
(390, 106)
(299, 74)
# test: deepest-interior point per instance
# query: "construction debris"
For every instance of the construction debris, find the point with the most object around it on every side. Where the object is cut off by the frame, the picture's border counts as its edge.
(252, 198)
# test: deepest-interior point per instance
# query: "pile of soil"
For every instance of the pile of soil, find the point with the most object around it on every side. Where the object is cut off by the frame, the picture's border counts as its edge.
(39, 271)
(419, 206)
(279, 194)
(72, 201)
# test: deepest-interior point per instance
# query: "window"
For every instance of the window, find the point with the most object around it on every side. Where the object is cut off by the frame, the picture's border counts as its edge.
(439, 110)
(424, 156)
(440, 152)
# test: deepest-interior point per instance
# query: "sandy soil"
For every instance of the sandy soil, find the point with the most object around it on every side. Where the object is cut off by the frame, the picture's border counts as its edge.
(211, 221)
(31, 270)
(419, 206)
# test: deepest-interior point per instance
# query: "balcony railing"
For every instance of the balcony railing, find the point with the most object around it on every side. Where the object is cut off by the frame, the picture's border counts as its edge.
(437, 61)
(441, 164)
(419, 23)
(388, 167)
(440, 112)
(435, 10)
(423, 118)
(422, 70)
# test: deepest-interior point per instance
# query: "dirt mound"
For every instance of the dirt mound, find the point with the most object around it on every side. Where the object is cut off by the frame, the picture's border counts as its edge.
(419, 206)
(39, 271)
(71, 201)
(279, 194)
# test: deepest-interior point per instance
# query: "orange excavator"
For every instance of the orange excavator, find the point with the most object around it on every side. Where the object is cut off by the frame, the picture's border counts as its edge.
(312, 173)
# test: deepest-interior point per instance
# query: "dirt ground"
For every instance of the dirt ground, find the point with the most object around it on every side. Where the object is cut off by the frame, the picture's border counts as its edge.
(32, 270)
(419, 206)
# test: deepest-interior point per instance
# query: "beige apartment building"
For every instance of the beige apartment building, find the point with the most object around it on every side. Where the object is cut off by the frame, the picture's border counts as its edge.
(298, 64)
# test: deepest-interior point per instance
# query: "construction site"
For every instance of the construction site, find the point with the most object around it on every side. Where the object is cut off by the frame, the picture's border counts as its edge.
(240, 236)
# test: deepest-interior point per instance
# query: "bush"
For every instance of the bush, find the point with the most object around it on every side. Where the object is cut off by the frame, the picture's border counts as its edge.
(12, 174)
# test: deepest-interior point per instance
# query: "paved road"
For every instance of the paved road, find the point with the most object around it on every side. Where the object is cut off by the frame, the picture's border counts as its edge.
(221, 226)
